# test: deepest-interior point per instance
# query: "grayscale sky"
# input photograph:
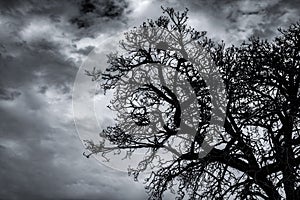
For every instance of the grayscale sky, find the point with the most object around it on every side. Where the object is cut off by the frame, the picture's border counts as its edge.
(42, 45)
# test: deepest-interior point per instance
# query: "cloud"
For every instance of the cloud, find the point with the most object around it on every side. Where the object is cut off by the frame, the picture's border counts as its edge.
(40, 152)
(234, 21)
(6, 94)
(41, 155)
(90, 11)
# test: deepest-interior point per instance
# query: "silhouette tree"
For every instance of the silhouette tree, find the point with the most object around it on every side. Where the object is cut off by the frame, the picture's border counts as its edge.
(257, 152)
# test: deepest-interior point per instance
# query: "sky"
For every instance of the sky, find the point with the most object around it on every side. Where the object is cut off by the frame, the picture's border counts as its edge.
(42, 46)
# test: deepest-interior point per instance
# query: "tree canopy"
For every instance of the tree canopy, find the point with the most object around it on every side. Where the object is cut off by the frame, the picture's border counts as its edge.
(256, 154)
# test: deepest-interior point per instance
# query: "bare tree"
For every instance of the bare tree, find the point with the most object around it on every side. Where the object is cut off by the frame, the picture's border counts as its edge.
(256, 154)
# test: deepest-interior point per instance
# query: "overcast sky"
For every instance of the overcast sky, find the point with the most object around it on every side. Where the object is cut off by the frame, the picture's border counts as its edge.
(42, 45)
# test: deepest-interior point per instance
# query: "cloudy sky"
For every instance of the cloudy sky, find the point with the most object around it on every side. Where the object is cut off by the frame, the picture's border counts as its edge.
(43, 44)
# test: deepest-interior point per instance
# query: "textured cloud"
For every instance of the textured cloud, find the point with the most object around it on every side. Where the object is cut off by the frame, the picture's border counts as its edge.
(42, 44)
(41, 156)
(234, 21)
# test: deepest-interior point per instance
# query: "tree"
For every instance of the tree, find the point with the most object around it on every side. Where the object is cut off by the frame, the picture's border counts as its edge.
(257, 153)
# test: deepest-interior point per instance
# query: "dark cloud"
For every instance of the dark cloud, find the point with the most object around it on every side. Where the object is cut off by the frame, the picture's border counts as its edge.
(8, 95)
(84, 51)
(90, 11)
(235, 21)
(41, 156)
(40, 153)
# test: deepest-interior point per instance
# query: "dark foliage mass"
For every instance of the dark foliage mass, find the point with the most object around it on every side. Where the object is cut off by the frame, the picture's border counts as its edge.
(257, 153)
